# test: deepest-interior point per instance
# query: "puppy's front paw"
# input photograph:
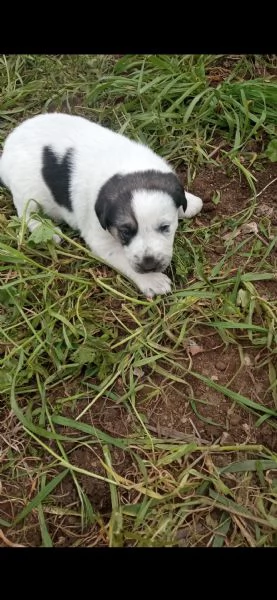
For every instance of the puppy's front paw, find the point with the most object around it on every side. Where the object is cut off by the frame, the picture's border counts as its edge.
(153, 284)
(43, 233)
(56, 238)
(194, 205)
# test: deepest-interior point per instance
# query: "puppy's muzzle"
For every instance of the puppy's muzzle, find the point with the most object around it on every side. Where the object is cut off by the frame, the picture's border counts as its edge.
(150, 264)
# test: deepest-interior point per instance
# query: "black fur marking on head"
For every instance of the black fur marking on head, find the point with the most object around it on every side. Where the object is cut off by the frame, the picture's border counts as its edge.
(56, 173)
(113, 208)
(113, 205)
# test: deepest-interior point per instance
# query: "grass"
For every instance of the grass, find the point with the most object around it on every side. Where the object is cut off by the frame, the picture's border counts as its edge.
(109, 402)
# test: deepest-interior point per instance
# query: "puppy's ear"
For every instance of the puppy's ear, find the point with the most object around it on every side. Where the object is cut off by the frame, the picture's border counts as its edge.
(102, 210)
(185, 202)
(106, 206)
(178, 193)
(180, 199)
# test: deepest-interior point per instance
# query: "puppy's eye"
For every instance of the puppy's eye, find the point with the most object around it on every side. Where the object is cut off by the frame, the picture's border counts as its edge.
(126, 234)
(164, 229)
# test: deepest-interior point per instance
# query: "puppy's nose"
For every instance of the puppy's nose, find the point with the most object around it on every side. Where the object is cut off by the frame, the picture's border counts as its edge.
(149, 263)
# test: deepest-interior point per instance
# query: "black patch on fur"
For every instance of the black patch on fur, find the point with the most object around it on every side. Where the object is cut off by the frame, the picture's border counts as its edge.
(56, 173)
(113, 208)
(113, 205)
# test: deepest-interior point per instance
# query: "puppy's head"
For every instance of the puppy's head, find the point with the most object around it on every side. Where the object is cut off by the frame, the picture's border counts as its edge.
(141, 211)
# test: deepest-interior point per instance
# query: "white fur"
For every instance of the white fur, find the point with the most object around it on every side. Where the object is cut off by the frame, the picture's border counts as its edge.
(100, 154)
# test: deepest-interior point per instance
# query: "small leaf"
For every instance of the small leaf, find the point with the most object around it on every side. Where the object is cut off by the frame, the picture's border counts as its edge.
(84, 355)
(243, 298)
(271, 151)
(216, 198)
(42, 233)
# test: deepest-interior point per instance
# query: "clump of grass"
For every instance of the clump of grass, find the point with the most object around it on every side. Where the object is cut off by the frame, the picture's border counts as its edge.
(76, 337)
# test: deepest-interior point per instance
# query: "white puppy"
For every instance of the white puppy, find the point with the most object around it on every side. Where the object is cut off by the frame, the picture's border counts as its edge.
(123, 198)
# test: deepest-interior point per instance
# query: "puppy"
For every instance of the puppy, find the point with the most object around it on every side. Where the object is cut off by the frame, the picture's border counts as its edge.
(123, 198)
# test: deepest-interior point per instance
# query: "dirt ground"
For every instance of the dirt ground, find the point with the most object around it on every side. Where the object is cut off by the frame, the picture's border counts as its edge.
(171, 415)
